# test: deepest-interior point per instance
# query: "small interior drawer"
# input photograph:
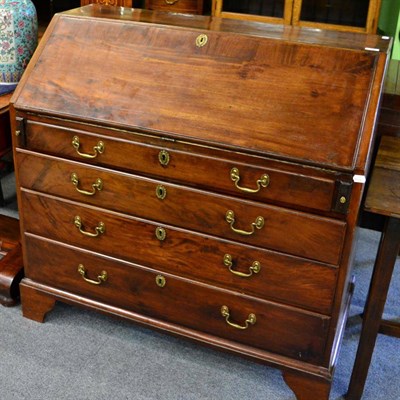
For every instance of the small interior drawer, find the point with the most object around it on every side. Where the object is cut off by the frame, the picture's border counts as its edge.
(179, 6)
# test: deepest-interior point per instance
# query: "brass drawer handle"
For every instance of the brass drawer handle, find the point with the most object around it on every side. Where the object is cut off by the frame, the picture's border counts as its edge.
(251, 319)
(171, 2)
(99, 229)
(230, 219)
(98, 149)
(254, 268)
(98, 185)
(100, 278)
(262, 182)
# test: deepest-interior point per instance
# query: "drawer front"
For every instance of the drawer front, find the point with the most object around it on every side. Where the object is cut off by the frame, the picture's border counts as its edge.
(297, 186)
(247, 222)
(181, 6)
(269, 275)
(283, 330)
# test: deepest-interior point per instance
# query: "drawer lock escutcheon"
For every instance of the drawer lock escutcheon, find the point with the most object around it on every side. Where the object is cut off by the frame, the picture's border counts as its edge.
(161, 233)
(160, 281)
(201, 40)
(254, 268)
(251, 319)
(163, 157)
(98, 149)
(99, 229)
(230, 219)
(98, 185)
(100, 278)
(161, 192)
(263, 182)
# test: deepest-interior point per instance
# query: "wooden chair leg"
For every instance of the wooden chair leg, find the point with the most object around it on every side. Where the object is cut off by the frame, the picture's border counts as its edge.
(383, 269)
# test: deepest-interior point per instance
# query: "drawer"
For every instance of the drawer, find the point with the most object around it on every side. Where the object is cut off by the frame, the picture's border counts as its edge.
(280, 277)
(280, 329)
(247, 222)
(180, 6)
(288, 184)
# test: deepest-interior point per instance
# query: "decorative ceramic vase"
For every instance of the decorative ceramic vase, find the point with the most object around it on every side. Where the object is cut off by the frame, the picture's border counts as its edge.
(18, 40)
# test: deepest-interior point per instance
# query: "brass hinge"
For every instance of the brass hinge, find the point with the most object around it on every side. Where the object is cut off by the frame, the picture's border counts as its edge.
(20, 127)
(342, 196)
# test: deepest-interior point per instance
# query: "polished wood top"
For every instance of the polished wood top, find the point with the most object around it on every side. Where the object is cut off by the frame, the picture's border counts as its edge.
(353, 40)
(384, 190)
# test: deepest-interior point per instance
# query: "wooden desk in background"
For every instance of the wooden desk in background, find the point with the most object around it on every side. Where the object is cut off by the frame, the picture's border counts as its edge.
(11, 265)
(383, 198)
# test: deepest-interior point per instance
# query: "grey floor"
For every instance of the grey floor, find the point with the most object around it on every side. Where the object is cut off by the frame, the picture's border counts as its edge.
(79, 354)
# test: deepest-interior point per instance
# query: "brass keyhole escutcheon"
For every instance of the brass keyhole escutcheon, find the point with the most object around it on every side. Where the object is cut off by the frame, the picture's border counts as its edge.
(161, 192)
(160, 281)
(163, 157)
(161, 234)
(201, 40)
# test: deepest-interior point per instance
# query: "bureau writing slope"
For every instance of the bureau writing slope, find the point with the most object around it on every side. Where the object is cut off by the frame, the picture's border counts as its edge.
(198, 175)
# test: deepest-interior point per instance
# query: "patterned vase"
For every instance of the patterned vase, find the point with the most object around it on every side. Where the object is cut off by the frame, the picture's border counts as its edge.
(18, 40)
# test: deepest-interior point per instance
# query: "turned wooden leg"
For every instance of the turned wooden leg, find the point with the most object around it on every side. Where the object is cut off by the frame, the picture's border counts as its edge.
(307, 387)
(35, 304)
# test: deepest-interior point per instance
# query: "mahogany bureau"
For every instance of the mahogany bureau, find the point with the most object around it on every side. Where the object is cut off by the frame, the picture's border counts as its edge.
(200, 176)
